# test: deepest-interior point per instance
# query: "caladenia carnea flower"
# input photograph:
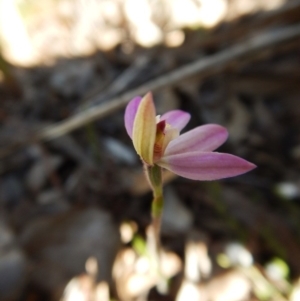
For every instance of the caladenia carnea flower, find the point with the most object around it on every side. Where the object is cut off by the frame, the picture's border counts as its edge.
(158, 142)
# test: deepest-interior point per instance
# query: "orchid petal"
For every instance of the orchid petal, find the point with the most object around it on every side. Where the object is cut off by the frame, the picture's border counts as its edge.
(176, 118)
(205, 165)
(144, 129)
(203, 138)
(130, 113)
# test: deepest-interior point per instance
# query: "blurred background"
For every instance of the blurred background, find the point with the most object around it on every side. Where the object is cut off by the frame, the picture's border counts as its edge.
(74, 202)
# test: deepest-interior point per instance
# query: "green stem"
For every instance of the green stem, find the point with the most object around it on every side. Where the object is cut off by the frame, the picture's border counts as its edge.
(155, 178)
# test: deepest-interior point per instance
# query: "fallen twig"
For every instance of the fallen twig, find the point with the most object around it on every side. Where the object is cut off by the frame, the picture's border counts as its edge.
(206, 65)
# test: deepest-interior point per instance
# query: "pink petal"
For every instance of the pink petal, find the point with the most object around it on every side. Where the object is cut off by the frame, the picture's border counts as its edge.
(203, 138)
(176, 118)
(130, 113)
(205, 165)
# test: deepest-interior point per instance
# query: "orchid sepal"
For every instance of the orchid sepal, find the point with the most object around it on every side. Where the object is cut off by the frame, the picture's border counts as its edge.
(144, 129)
(205, 166)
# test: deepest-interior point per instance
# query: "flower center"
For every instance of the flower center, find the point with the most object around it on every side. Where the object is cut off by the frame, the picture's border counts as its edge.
(159, 140)
(165, 133)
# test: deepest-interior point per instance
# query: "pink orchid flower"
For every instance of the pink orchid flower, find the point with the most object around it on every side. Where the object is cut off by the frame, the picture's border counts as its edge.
(157, 141)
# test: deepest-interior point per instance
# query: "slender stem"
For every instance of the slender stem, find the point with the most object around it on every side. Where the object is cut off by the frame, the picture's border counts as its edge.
(154, 174)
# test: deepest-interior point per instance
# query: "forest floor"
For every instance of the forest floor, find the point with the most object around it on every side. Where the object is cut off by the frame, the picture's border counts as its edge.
(74, 201)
